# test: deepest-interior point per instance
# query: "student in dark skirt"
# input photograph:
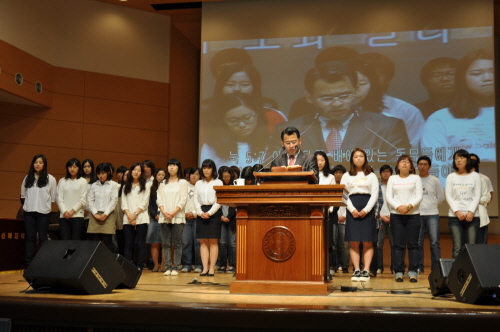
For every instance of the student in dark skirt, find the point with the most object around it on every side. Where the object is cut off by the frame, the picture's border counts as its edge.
(208, 228)
(361, 226)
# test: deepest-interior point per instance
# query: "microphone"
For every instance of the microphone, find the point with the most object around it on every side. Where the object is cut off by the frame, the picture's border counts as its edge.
(269, 163)
(374, 133)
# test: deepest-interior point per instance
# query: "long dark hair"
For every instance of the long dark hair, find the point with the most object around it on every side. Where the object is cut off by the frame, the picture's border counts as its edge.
(43, 178)
(464, 105)
(326, 170)
(177, 163)
(224, 142)
(156, 184)
(76, 162)
(92, 176)
(366, 168)
(142, 179)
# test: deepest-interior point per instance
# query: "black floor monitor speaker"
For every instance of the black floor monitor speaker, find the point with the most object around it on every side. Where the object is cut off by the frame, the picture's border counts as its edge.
(76, 267)
(475, 276)
(438, 278)
(132, 273)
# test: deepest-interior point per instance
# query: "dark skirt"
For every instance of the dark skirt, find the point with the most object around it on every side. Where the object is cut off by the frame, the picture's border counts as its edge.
(209, 228)
(361, 229)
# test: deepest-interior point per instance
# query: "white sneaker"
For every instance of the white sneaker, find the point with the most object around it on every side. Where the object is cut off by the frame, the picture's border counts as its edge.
(364, 276)
(332, 272)
(356, 275)
(167, 273)
(379, 271)
(174, 273)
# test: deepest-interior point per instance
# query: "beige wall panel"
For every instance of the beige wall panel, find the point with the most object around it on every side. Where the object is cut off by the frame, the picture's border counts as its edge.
(123, 114)
(126, 89)
(17, 157)
(26, 130)
(126, 140)
(69, 81)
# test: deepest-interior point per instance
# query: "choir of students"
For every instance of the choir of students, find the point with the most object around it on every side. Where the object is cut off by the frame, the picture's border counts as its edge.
(166, 210)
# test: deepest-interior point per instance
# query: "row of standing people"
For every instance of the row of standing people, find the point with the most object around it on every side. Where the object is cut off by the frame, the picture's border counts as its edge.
(407, 206)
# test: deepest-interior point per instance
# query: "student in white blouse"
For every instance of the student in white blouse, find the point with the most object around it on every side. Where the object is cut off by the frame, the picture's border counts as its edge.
(38, 192)
(71, 198)
(101, 202)
(208, 228)
(403, 195)
(361, 226)
(135, 200)
(172, 198)
(463, 193)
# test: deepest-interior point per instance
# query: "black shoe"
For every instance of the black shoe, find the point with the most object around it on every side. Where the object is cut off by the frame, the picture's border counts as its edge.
(210, 274)
(222, 269)
(204, 274)
(345, 270)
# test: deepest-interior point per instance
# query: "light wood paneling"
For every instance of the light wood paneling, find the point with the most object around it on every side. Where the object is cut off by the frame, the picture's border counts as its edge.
(126, 89)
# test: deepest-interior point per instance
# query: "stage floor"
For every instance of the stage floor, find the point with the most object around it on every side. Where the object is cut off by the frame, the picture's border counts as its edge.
(169, 302)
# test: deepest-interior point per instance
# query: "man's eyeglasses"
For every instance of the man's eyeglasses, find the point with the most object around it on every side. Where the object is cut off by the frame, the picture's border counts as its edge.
(330, 99)
(437, 75)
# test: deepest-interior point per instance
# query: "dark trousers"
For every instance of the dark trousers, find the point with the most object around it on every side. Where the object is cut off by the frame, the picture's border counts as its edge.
(71, 229)
(405, 232)
(135, 234)
(36, 226)
(107, 239)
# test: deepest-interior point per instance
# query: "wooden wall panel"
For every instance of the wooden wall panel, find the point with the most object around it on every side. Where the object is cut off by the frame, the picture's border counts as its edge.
(128, 115)
(26, 130)
(17, 157)
(69, 81)
(106, 138)
(91, 115)
(14, 60)
(65, 107)
(123, 159)
(184, 93)
(126, 89)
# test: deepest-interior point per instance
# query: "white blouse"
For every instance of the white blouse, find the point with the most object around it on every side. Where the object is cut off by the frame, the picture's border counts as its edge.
(204, 194)
(39, 199)
(134, 200)
(102, 197)
(361, 184)
(172, 195)
(72, 195)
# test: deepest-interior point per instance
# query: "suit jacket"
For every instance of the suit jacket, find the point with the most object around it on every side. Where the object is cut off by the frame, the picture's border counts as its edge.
(357, 135)
(306, 160)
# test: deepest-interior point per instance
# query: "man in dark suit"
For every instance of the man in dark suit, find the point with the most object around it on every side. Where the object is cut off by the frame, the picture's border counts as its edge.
(291, 141)
(337, 127)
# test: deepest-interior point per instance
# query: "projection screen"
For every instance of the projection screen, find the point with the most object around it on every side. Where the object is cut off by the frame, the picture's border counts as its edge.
(279, 42)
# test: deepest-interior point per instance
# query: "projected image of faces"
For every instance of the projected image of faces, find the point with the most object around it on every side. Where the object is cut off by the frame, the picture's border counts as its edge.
(414, 92)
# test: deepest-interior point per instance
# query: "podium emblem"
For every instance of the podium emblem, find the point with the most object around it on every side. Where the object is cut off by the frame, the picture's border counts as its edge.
(279, 244)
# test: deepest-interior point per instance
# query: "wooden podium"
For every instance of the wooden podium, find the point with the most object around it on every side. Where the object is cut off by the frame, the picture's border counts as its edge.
(281, 235)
